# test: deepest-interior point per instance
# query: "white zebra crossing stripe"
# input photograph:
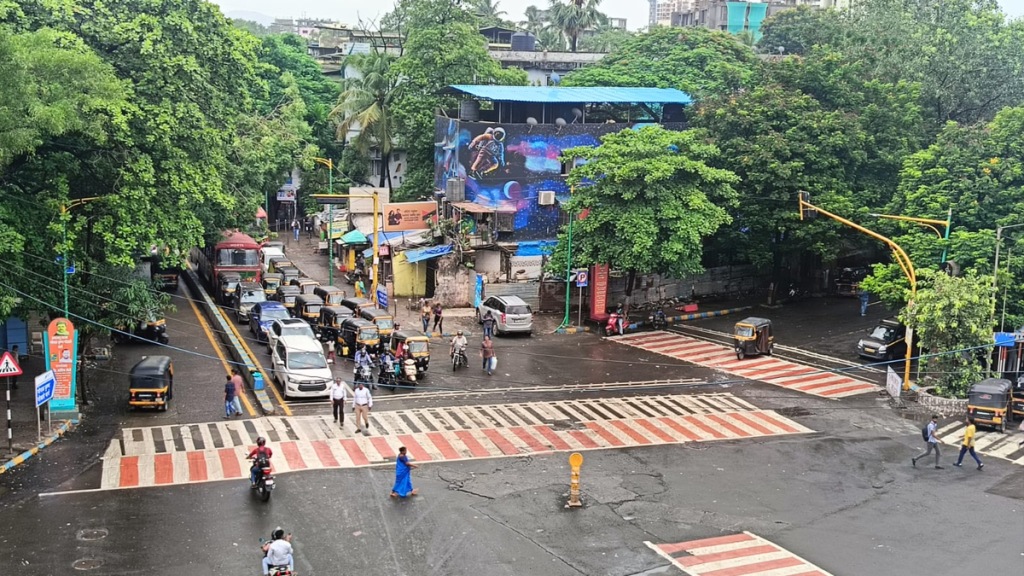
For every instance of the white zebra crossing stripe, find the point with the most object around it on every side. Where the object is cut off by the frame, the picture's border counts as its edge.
(770, 370)
(437, 434)
(744, 554)
(987, 442)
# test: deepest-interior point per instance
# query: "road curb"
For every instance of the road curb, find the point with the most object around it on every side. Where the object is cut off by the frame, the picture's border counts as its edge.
(21, 458)
(695, 316)
(573, 330)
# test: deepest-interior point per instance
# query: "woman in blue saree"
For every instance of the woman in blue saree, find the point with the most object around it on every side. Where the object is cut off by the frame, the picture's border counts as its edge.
(403, 480)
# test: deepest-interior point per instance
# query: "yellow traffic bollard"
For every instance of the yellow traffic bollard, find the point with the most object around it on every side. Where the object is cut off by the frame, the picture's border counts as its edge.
(575, 461)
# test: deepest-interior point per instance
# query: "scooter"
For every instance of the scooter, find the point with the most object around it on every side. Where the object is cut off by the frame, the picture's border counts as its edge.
(459, 359)
(616, 324)
(282, 570)
(409, 370)
(386, 377)
(364, 375)
(658, 320)
(264, 478)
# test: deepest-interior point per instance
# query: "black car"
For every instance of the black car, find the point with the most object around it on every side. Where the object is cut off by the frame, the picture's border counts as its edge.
(886, 341)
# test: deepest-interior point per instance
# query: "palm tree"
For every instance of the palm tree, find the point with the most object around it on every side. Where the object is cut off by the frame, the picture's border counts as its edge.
(488, 11)
(534, 21)
(573, 17)
(550, 40)
(365, 105)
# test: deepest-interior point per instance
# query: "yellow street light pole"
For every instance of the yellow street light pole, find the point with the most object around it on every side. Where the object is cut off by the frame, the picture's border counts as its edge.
(376, 235)
(898, 254)
(330, 218)
(928, 223)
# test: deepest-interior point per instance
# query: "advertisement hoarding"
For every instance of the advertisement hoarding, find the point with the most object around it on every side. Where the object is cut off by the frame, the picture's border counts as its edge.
(61, 346)
(402, 216)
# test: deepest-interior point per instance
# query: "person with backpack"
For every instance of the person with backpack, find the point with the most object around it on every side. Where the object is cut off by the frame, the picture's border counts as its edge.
(930, 440)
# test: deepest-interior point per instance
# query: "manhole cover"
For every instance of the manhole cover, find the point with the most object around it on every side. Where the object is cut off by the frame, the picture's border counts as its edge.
(87, 564)
(793, 412)
(92, 534)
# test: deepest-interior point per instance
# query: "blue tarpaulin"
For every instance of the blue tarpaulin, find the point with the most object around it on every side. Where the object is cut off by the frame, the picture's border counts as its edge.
(560, 95)
(354, 237)
(537, 248)
(414, 256)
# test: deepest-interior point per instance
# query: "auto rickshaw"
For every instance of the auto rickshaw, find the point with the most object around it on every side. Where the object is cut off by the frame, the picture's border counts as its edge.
(306, 285)
(308, 308)
(384, 321)
(356, 303)
(418, 346)
(331, 295)
(277, 262)
(753, 336)
(270, 282)
(329, 324)
(1017, 408)
(988, 402)
(286, 295)
(356, 331)
(290, 273)
(151, 383)
(152, 330)
(226, 284)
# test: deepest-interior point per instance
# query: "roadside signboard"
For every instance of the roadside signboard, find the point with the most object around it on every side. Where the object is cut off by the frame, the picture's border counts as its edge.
(45, 385)
(382, 298)
(581, 279)
(9, 365)
(61, 350)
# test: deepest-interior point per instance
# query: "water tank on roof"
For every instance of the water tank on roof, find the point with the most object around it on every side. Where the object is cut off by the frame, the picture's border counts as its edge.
(469, 110)
(523, 42)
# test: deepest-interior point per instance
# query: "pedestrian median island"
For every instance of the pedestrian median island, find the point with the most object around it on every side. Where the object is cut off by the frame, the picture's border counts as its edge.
(240, 352)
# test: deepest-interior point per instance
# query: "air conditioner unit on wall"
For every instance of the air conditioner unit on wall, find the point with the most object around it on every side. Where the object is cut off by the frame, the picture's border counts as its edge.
(455, 190)
(546, 198)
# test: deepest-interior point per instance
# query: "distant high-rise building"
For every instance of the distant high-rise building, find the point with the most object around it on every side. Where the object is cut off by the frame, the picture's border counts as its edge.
(736, 17)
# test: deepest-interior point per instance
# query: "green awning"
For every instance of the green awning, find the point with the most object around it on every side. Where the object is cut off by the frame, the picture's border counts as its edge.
(354, 237)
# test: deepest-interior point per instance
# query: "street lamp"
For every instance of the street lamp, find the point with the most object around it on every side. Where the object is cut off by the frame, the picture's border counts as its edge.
(65, 208)
(929, 223)
(330, 218)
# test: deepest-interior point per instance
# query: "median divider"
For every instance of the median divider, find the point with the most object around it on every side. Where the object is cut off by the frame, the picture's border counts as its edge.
(239, 351)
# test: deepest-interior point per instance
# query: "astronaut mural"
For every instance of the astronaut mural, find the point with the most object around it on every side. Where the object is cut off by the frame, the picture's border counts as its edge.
(505, 166)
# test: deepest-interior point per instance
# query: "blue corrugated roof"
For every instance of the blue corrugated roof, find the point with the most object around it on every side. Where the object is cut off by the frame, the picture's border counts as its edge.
(555, 95)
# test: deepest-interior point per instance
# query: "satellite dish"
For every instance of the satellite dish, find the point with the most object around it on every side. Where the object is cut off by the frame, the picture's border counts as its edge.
(555, 78)
(531, 121)
(577, 112)
(559, 122)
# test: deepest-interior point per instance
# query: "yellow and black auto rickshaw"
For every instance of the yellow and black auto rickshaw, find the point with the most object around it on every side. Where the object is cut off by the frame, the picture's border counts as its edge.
(329, 325)
(306, 285)
(988, 402)
(308, 308)
(227, 282)
(355, 332)
(384, 321)
(356, 303)
(286, 295)
(416, 346)
(270, 282)
(1017, 407)
(753, 336)
(290, 273)
(154, 329)
(151, 383)
(331, 295)
(278, 262)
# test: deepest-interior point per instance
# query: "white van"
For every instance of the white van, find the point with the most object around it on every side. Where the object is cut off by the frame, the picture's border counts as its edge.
(268, 252)
(300, 368)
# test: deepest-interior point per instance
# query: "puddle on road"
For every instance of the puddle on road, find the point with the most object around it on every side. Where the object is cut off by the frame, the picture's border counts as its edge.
(87, 564)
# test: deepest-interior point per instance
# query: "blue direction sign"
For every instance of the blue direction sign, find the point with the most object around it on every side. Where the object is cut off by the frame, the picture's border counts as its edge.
(45, 383)
(382, 298)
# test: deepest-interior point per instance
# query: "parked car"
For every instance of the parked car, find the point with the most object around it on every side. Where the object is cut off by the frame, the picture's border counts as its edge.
(263, 315)
(887, 341)
(287, 327)
(299, 367)
(510, 314)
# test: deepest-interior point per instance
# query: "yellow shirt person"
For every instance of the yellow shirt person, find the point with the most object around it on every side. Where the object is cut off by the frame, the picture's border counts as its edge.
(968, 444)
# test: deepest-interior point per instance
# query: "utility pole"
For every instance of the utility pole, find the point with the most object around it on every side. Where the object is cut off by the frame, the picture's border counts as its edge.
(330, 218)
(67, 269)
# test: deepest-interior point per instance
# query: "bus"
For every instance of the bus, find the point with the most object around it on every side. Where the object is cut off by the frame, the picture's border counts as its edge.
(235, 252)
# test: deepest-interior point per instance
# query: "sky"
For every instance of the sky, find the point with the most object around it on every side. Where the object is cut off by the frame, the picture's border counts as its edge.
(348, 11)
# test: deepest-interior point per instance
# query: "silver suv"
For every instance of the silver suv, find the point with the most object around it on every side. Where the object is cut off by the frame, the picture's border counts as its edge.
(510, 314)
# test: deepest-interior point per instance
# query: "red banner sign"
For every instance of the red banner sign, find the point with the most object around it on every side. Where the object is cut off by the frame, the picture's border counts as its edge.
(599, 292)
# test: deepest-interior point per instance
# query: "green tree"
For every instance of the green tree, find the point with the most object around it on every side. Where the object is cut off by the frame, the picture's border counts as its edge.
(797, 31)
(951, 317)
(697, 61)
(254, 28)
(365, 105)
(573, 17)
(488, 11)
(651, 199)
(533, 20)
(605, 39)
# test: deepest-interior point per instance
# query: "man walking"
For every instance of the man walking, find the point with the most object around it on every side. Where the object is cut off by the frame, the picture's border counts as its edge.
(425, 317)
(362, 402)
(487, 353)
(236, 402)
(932, 442)
(438, 318)
(488, 322)
(229, 397)
(338, 401)
(968, 445)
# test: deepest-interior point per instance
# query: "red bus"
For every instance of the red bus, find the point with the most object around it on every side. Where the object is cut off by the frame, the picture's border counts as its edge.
(236, 252)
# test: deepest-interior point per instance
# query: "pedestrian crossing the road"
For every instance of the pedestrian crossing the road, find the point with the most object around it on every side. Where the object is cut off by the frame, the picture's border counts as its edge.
(743, 554)
(769, 369)
(163, 455)
(987, 442)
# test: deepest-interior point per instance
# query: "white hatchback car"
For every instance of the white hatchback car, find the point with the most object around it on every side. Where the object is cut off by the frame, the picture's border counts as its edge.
(300, 368)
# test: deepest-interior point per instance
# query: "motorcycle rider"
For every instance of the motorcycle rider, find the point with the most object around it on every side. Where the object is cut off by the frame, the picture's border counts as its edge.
(660, 320)
(362, 362)
(620, 314)
(260, 451)
(278, 552)
(459, 344)
(387, 365)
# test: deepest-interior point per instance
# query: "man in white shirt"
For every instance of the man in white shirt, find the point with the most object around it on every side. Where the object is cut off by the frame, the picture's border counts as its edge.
(279, 552)
(362, 401)
(338, 395)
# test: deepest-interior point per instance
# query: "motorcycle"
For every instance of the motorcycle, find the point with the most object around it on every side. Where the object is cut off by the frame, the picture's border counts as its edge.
(795, 292)
(386, 377)
(364, 375)
(282, 570)
(459, 359)
(616, 324)
(658, 320)
(264, 478)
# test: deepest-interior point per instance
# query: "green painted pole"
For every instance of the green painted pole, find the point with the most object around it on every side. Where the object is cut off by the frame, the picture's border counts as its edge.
(568, 276)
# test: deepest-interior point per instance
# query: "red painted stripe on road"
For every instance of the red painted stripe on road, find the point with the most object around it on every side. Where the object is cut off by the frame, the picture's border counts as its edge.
(662, 344)
(636, 436)
(582, 438)
(801, 372)
(777, 422)
(750, 423)
(845, 389)
(552, 437)
(443, 446)
(728, 425)
(292, 456)
(324, 454)
(163, 469)
(693, 420)
(532, 442)
(811, 573)
(498, 440)
(670, 351)
(680, 429)
(475, 448)
(730, 555)
(756, 567)
(810, 380)
(768, 369)
(129, 471)
(197, 467)
(355, 453)
(653, 429)
(229, 463)
(837, 382)
(386, 450)
(606, 435)
(704, 543)
(414, 448)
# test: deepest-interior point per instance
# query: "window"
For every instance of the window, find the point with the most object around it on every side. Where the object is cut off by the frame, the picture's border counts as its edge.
(306, 360)
(519, 309)
(237, 257)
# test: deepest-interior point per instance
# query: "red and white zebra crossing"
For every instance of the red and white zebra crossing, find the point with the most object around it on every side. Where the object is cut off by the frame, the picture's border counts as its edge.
(216, 451)
(767, 369)
(743, 554)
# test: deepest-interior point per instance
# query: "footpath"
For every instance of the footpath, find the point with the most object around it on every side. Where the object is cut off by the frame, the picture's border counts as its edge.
(21, 439)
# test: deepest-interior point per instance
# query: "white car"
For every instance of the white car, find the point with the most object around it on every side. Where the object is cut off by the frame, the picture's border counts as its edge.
(300, 368)
(287, 327)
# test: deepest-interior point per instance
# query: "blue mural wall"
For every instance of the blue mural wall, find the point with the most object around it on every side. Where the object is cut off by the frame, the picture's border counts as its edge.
(506, 165)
